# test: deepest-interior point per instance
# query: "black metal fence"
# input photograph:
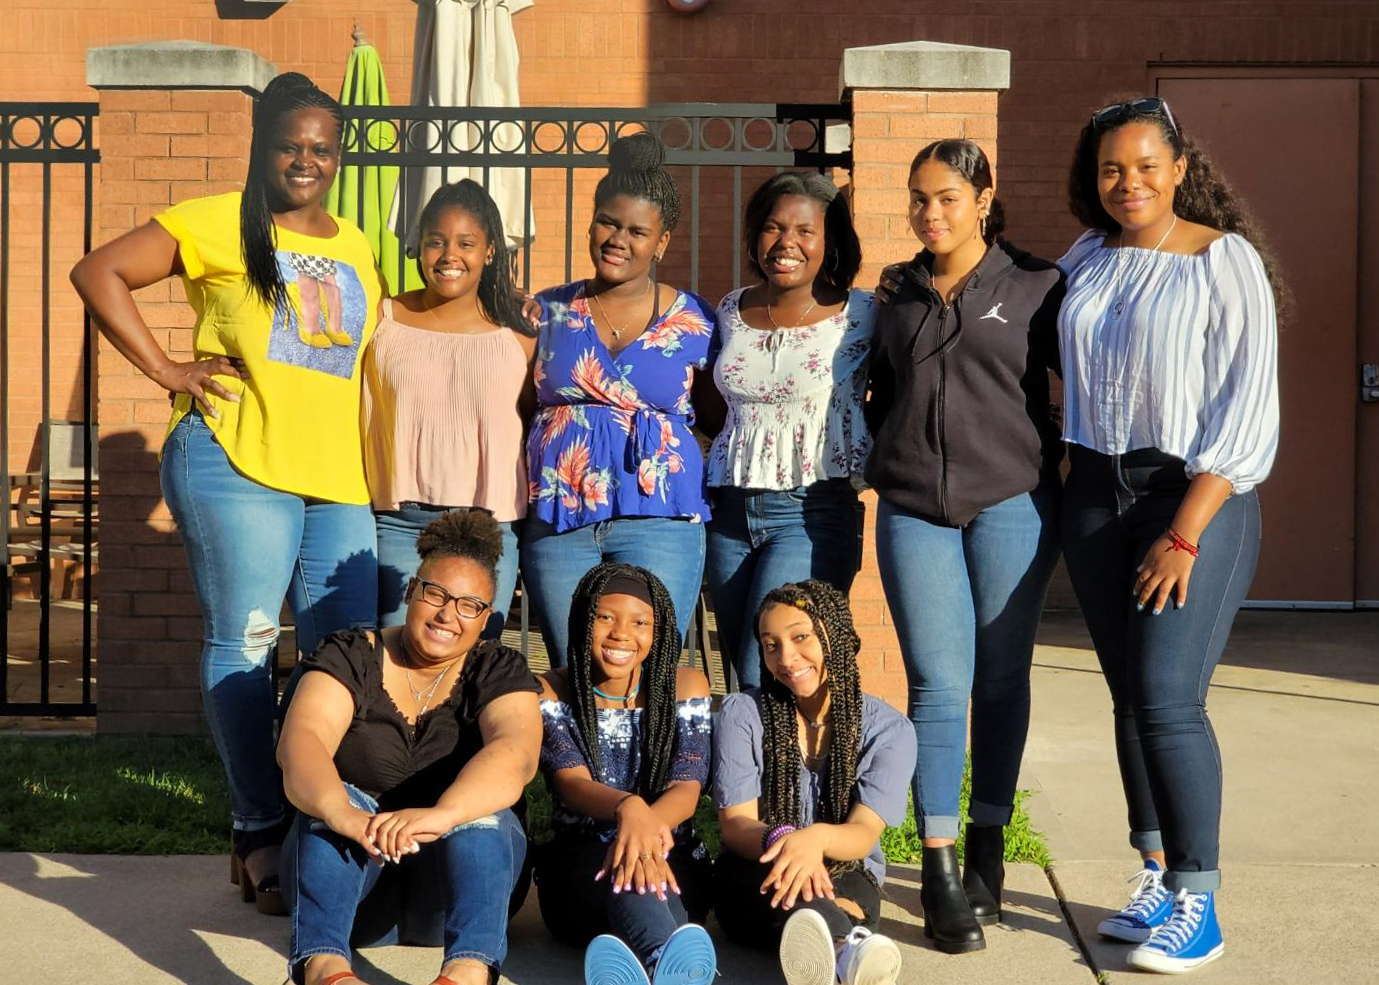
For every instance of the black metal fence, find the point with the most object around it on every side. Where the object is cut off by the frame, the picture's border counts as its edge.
(47, 160)
(713, 150)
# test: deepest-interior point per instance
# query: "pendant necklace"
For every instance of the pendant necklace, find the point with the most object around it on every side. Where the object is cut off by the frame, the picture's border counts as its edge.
(420, 696)
(1120, 251)
(617, 332)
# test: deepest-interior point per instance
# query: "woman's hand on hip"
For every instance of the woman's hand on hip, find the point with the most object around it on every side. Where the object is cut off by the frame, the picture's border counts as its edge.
(198, 378)
(1164, 573)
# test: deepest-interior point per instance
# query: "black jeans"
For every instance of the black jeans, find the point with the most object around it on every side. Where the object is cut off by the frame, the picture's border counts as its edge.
(575, 908)
(1158, 668)
(746, 914)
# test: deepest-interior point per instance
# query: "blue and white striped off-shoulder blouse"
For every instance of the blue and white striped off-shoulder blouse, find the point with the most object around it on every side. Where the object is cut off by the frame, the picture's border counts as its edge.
(1187, 362)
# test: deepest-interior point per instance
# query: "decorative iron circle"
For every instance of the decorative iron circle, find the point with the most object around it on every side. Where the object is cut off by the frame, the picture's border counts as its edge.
(708, 125)
(543, 128)
(670, 125)
(600, 129)
(763, 125)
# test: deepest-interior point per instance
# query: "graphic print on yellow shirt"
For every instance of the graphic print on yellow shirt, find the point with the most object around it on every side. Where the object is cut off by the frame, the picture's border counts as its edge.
(296, 424)
(325, 318)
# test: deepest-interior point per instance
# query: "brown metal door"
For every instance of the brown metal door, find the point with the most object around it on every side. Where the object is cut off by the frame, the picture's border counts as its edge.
(1291, 146)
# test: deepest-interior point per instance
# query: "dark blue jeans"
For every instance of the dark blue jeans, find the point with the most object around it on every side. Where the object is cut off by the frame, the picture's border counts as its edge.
(1158, 668)
(398, 531)
(553, 563)
(760, 539)
(248, 546)
(454, 893)
(575, 908)
(966, 603)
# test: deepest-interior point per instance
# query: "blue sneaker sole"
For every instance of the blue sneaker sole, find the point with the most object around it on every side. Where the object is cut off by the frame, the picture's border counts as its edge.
(688, 958)
(1153, 960)
(608, 961)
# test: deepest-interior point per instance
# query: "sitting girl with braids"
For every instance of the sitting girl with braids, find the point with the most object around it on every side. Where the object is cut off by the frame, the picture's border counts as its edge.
(625, 750)
(808, 772)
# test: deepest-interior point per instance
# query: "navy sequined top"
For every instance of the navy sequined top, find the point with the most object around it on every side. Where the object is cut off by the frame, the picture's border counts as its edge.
(620, 752)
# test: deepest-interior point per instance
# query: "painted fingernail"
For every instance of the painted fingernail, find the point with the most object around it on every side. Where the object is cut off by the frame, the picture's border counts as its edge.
(1139, 606)
(641, 891)
(1156, 612)
(616, 890)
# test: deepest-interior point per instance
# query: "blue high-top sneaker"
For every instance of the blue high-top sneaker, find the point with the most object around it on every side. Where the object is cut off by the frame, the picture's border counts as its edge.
(1190, 938)
(1149, 907)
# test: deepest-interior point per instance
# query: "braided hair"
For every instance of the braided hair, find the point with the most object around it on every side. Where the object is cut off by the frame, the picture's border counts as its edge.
(658, 673)
(636, 169)
(827, 609)
(497, 299)
(258, 239)
(470, 534)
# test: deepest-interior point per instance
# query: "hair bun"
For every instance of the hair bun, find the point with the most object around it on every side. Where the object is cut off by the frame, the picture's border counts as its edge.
(637, 152)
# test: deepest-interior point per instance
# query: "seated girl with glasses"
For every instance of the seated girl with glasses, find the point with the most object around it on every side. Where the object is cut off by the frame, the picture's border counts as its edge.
(626, 754)
(404, 751)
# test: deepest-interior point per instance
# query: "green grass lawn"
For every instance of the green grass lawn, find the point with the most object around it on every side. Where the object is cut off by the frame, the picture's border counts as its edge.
(120, 796)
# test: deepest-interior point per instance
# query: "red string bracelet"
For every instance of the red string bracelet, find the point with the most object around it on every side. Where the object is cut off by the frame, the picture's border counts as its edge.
(1180, 543)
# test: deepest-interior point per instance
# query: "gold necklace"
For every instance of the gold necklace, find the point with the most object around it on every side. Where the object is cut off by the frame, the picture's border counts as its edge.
(422, 698)
(617, 332)
(805, 314)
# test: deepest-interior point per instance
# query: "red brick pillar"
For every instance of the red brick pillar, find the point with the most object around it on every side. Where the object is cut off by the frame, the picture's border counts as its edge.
(174, 124)
(903, 97)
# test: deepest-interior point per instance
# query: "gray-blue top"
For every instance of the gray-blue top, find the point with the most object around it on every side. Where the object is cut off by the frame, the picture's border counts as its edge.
(885, 764)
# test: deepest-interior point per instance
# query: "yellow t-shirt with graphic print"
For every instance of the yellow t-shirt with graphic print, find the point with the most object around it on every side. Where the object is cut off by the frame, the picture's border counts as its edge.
(296, 426)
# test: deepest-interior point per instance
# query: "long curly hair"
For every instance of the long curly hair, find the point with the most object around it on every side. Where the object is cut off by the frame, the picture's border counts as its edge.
(658, 673)
(258, 237)
(496, 297)
(828, 610)
(1204, 197)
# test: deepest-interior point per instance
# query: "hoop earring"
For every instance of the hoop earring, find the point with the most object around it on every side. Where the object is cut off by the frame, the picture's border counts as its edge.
(832, 255)
(982, 225)
(752, 258)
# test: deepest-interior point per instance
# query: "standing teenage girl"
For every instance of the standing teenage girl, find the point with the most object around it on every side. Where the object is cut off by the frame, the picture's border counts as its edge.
(1171, 415)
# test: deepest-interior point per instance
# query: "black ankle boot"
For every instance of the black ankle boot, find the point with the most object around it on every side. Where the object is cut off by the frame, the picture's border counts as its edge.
(948, 919)
(984, 871)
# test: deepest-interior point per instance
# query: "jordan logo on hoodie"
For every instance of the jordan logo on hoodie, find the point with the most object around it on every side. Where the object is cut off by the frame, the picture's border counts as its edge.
(995, 312)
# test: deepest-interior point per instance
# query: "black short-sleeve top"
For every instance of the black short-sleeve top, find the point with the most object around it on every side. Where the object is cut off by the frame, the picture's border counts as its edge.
(381, 753)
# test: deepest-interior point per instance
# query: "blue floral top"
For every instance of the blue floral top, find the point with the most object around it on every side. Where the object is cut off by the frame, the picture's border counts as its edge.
(612, 434)
(620, 755)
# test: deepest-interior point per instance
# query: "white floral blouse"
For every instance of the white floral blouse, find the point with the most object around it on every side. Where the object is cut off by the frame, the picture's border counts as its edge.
(794, 398)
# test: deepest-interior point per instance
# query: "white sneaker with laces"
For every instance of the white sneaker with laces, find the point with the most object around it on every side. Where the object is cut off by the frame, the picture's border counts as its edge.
(868, 959)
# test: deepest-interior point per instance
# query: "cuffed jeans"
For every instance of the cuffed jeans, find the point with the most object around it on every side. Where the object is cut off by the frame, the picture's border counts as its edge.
(398, 531)
(553, 564)
(248, 547)
(453, 893)
(760, 539)
(966, 603)
(1158, 668)
(575, 908)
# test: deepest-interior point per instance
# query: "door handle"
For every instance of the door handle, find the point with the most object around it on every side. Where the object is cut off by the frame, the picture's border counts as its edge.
(1369, 382)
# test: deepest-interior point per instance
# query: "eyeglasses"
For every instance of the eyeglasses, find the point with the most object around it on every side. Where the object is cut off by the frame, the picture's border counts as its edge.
(466, 606)
(1109, 116)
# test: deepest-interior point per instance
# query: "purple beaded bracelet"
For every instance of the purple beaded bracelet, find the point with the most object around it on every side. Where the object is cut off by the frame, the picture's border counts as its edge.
(774, 835)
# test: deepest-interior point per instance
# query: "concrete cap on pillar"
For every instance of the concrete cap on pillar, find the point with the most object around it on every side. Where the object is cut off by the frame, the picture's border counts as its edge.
(177, 65)
(926, 65)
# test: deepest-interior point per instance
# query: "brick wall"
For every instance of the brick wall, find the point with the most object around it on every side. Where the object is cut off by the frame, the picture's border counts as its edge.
(157, 148)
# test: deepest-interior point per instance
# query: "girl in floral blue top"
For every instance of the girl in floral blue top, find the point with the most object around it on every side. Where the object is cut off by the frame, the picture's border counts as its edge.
(625, 751)
(615, 472)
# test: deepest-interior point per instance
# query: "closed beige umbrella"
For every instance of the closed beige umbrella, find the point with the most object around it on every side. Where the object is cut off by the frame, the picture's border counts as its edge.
(465, 54)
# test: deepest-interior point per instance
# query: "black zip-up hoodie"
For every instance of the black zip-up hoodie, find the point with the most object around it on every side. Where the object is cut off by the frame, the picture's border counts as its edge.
(959, 404)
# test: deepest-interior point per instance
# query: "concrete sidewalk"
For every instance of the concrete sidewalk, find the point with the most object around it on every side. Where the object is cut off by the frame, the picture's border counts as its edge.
(1299, 834)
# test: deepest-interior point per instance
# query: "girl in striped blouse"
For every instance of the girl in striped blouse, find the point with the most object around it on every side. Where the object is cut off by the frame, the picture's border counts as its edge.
(1168, 341)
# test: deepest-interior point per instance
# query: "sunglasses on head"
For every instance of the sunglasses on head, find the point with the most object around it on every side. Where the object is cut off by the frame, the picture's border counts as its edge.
(1109, 116)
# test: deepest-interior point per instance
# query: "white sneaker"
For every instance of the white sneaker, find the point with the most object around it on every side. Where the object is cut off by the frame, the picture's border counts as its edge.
(868, 959)
(806, 950)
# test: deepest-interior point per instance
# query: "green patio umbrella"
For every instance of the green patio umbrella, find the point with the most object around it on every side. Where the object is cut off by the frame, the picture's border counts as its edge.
(364, 195)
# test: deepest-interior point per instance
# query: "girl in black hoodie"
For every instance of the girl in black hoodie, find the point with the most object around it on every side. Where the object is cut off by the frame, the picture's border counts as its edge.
(965, 462)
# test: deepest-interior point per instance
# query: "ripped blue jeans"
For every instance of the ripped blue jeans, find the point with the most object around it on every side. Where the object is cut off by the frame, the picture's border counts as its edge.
(454, 893)
(248, 548)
